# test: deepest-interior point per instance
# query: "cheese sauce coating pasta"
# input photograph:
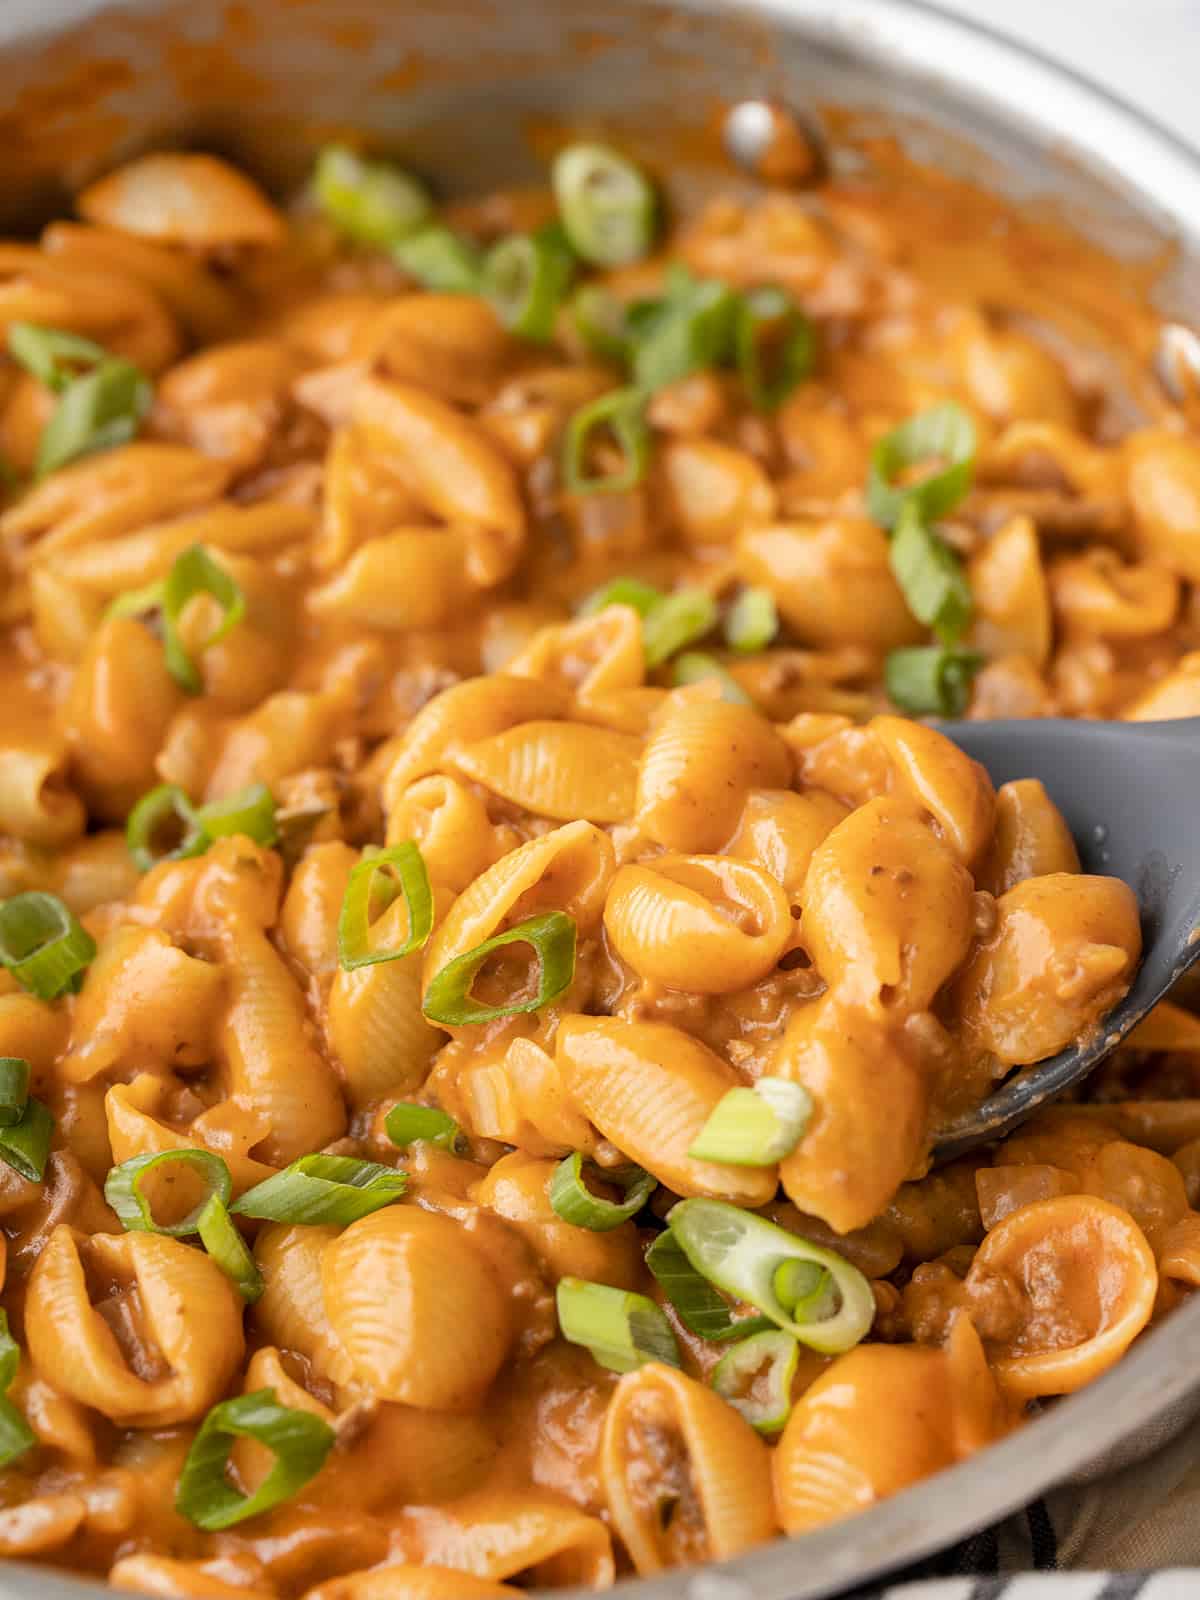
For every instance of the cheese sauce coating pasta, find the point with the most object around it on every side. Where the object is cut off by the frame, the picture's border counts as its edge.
(487, 940)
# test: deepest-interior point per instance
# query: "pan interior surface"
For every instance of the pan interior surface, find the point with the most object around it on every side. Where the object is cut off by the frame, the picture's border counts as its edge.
(465, 89)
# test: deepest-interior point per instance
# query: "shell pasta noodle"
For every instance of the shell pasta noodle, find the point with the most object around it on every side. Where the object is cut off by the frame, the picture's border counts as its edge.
(489, 934)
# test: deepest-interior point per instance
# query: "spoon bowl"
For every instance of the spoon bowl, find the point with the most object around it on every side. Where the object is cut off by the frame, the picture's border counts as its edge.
(1130, 794)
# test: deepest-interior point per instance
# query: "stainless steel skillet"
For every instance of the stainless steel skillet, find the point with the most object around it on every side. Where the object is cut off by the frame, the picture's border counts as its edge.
(458, 85)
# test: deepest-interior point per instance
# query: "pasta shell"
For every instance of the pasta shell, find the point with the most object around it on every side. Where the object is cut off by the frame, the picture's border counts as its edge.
(567, 870)
(463, 715)
(1012, 599)
(888, 910)
(410, 578)
(449, 824)
(1077, 1317)
(650, 1088)
(520, 1100)
(308, 918)
(176, 1580)
(939, 776)
(134, 1130)
(291, 1312)
(416, 1307)
(780, 830)
(701, 760)
(195, 200)
(700, 923)
(686, 1477)
(590, 657)
(193, 1319)
(497, 1534)
(1180, 1258)
(880, 1418)
(848, 1166)
(272, 1064)
(411, 1583)
(374, 1020)
(518, 1189)
(562, 770)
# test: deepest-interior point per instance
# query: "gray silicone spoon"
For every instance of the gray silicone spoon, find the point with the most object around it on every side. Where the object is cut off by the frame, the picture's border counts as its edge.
(1130, 792)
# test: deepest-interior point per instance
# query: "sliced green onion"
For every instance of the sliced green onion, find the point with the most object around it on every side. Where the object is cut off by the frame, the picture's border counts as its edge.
(16, 1436)
(741, 1253)
(756, 1378)
(52, 355)
(751, 622)
(42, 944)
(525, 279)
(250, 811)
(228, 1249)
(945, 433)
(194, 573)
(622, 1330)
(931, 575)
(575, 1203)
(318, 1189)
(755, 1127)
(699, 1307)
(693, 666)
(299, 1441)
(145, 822)
(552, 936)
(25, 1145)
(774, 346)
(679, 619)
(691, 331)
(622, 414)
(440, 259)
(99, 411)
(399, 869)
(14, 1091)
(805, 1290)
(599, 320)
(372, 201)
(931, 680)
(407, 1123)
(643, 597)
(123, 1189)
(607, 204)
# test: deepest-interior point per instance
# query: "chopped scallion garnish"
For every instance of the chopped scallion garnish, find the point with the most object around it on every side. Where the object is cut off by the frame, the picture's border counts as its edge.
(440, 260)
(699, 1307)
(167, 804)
(54, 356)
(551, 935)
(14, 1089)
(372, 201)
(931, 575)
(679, 619)
(643, 597)
(228, 1249)
(693, 666)
(323, 1189)
(751, 622)
(607, 204)
(944, 434)
(124, 1193)
(741, 1254)
(622, 1330)
(98, 411)
(774, 346)
(25, 1145)
(575, 1203)
(42, 944)
(756, 1378)
(374, 883)
(599, 319)
(299, 1441)
(619, 415)
(526, 277)
(931, 680)
(407, 1123)
(755, 1127)
(16, 1436)
(690, 330)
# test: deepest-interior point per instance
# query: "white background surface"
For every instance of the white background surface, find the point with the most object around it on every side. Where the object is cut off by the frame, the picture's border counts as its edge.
(1148, 51)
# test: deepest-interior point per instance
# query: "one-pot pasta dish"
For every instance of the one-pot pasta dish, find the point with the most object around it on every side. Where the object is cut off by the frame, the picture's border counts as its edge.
(490, 928)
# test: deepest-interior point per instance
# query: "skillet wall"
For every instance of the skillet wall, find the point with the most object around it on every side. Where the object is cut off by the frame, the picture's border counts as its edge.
(458, 86)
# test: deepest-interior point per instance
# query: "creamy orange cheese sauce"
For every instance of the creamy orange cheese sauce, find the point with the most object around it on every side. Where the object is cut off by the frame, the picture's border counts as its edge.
(768, 875)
